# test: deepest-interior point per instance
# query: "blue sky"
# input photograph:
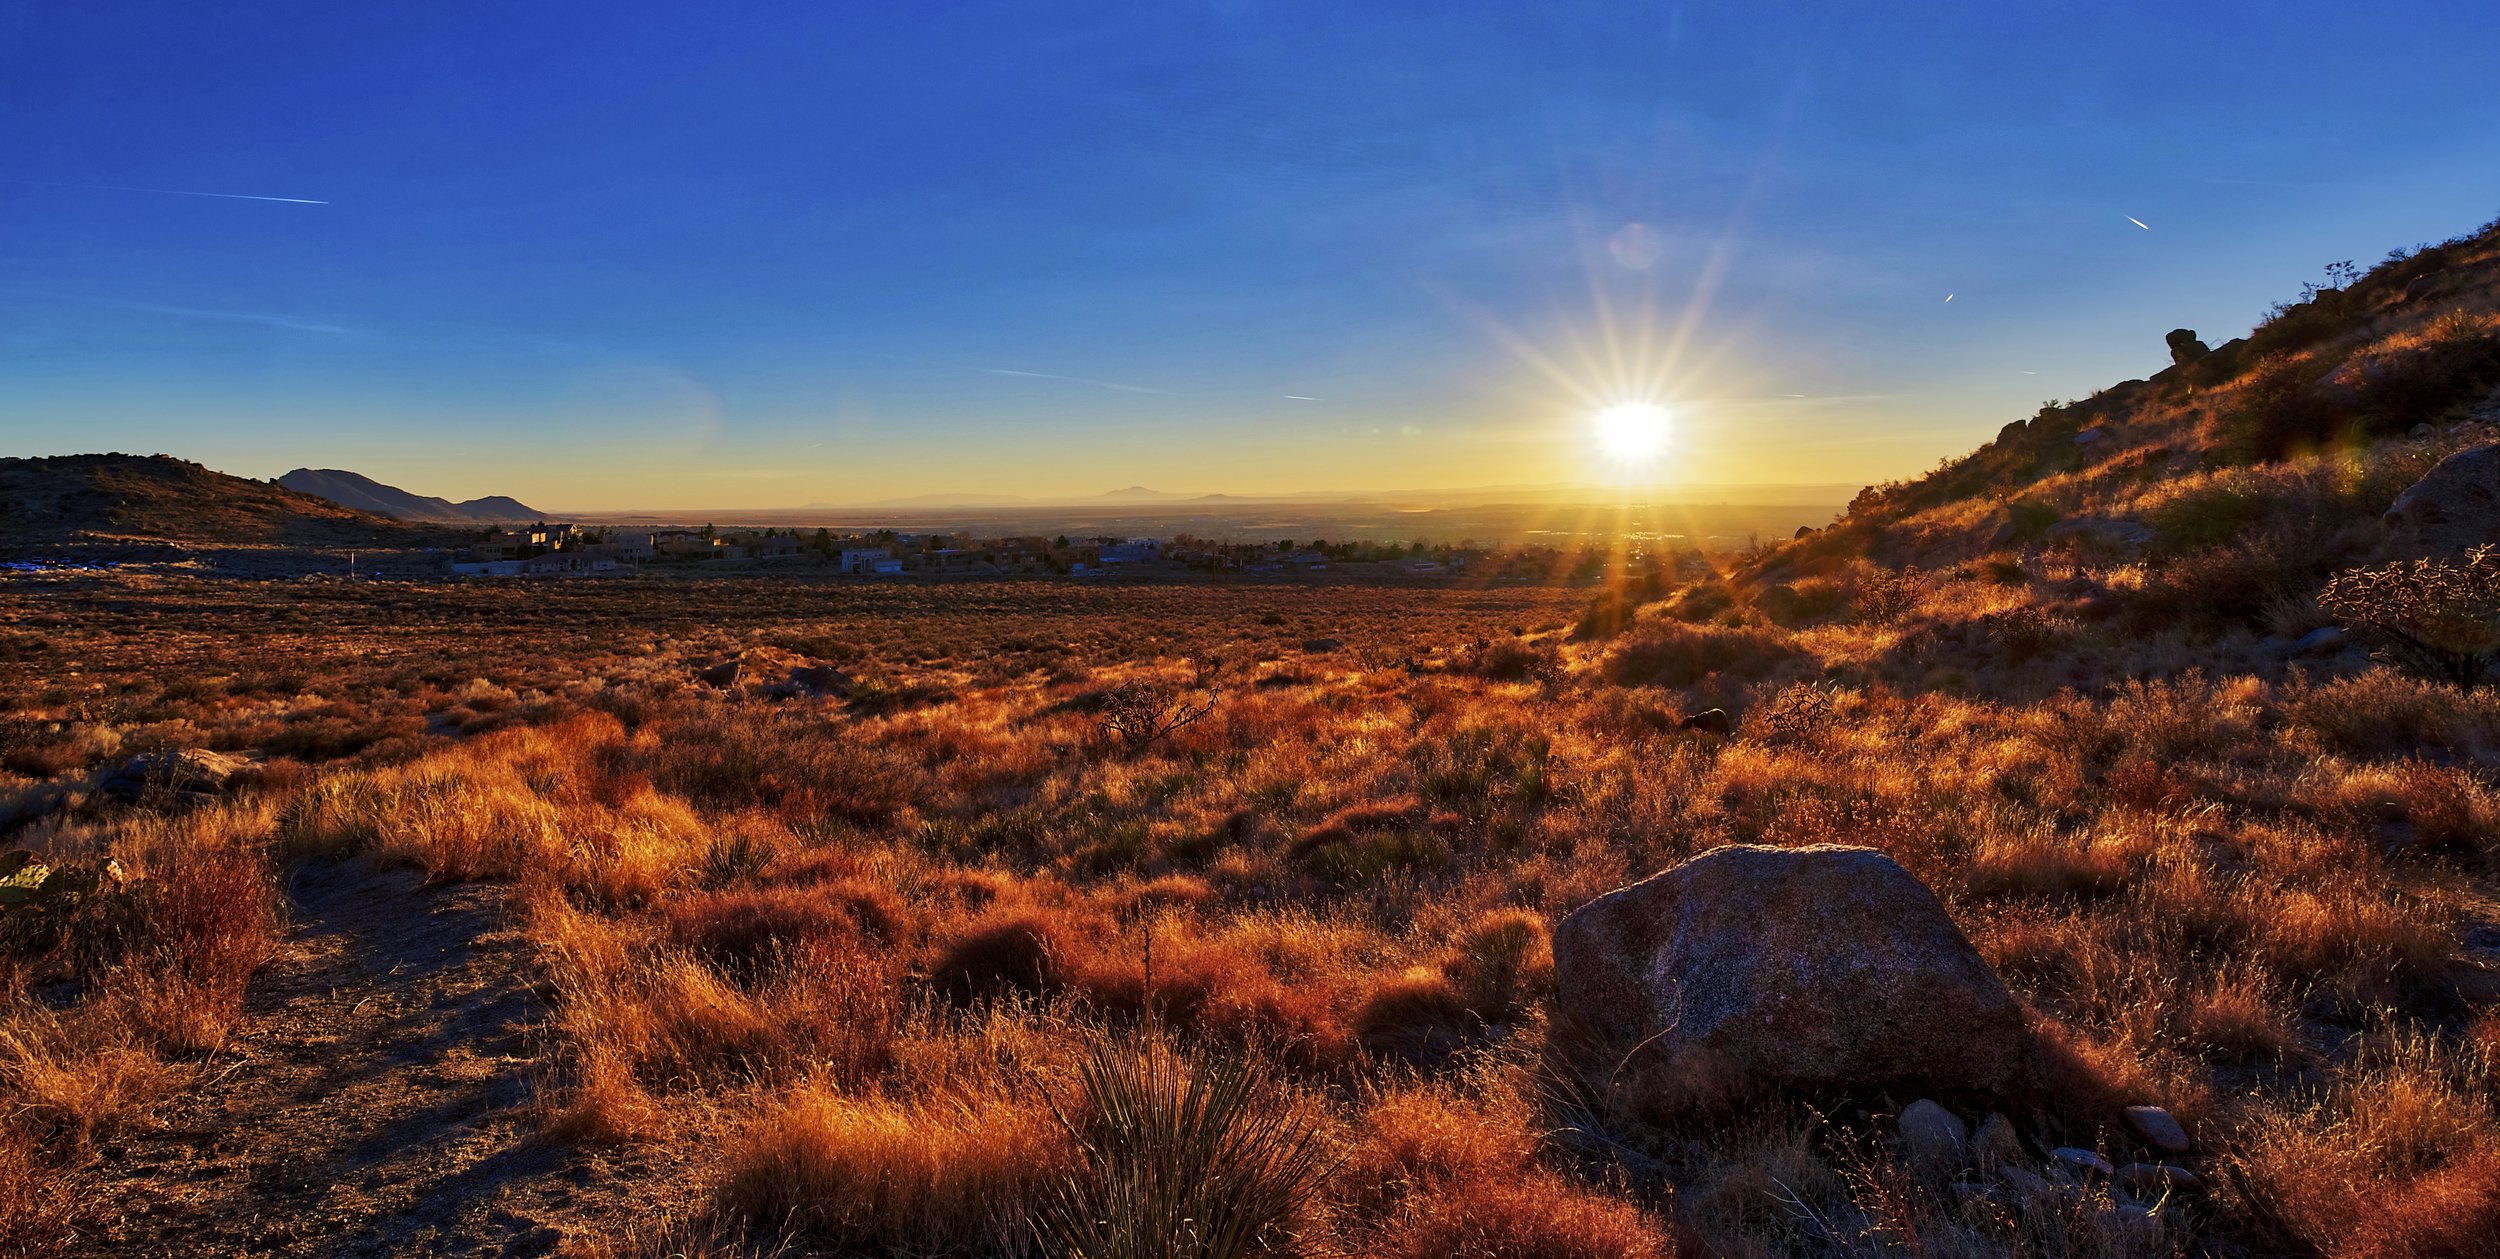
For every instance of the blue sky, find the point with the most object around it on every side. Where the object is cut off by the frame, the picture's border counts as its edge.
(627, 255)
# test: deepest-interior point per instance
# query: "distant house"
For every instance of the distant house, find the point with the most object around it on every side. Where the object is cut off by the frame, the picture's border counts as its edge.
(864, 560)
(770, 545)
(685, 544)
(630, 548)
(1133, 551)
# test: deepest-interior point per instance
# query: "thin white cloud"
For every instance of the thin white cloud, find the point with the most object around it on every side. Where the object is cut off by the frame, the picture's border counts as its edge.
(289, 323)
(1300, 397)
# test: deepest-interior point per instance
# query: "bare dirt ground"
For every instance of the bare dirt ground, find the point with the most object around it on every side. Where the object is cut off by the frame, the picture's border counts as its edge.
(374, 1102)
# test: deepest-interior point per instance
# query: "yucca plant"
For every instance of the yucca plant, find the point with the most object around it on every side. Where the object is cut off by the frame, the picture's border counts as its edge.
(1180, 1156)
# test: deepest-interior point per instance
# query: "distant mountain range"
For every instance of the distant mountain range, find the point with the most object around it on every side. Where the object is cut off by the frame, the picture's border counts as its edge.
(108, 500)
(365, 494)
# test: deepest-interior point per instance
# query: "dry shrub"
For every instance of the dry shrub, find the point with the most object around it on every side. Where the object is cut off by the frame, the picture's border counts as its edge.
(742, 931)
(1498, 969)
(2384, 714)
(1540, 1215)
(2347, 932)
(677, 1024)
(1221, 992)
(210, 910)
(1029, 948)
(604, 1106)
(73, 1082)
(2039, 862)
(1344, 825)
(2401, 1159)
(1434, 1173)
(2239, 1016)
(1417, 1017)
(35, 1213)
(867, 1175)
(1668, 653)
(2450, 810)
(1414, 1139)
(797, 768)
(1503, 964)
(1171, 891)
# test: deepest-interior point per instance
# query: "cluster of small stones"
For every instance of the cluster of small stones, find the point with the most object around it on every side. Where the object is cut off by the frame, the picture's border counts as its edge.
(1943, 1151)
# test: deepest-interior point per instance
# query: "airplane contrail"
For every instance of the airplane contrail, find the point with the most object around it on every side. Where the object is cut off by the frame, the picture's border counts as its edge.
(184, 192)
(1081, 380)
(2138, 222)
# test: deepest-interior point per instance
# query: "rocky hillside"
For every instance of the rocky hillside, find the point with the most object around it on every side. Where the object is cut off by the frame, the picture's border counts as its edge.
(363, 493)
(2218, 493)
(115, 499)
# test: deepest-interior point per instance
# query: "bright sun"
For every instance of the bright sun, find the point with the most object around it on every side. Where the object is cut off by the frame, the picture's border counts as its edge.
(1634, 432)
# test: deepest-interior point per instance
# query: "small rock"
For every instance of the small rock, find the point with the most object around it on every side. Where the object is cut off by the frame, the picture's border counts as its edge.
(1711, 721)
(2091, 435)
(2025, 1181)
(1320, 646)
(2157, 1178)
(819, 680)
(2423, 430)
(1934, 1141)
(2081, 1160)
(1996, 1145)
(2158, 1129)
(2323, 639)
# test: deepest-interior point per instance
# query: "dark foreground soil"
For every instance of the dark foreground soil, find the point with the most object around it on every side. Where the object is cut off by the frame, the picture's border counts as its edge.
(374, 1102)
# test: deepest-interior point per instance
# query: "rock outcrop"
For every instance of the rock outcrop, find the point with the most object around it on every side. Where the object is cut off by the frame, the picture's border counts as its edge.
(2184, 347)
(778, 674)
(184, 771)
(2453, 508)
(1822, 969)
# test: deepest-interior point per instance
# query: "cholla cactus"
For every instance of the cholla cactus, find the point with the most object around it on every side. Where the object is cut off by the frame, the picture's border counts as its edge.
(2438, 619)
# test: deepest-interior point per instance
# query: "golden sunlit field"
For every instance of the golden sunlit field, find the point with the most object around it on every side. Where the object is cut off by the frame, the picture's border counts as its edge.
(775, 971)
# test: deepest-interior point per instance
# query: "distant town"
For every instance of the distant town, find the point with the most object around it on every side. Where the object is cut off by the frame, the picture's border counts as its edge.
(571, 550)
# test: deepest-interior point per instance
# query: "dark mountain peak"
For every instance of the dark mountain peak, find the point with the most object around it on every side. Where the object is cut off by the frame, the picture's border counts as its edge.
(363, 493)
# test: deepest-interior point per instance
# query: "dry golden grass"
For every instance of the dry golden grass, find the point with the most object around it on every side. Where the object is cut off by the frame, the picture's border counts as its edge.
(863, 938)
(940, 1176)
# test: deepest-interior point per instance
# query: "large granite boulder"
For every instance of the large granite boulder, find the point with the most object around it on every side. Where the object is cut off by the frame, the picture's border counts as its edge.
(1821, 970)
(2453, 508)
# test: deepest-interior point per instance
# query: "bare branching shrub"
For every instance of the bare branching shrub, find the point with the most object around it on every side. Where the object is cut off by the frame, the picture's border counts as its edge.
(1886, 595)
(2435, 619)
(1140, 711)
(1797, 713)
(2022, 631)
